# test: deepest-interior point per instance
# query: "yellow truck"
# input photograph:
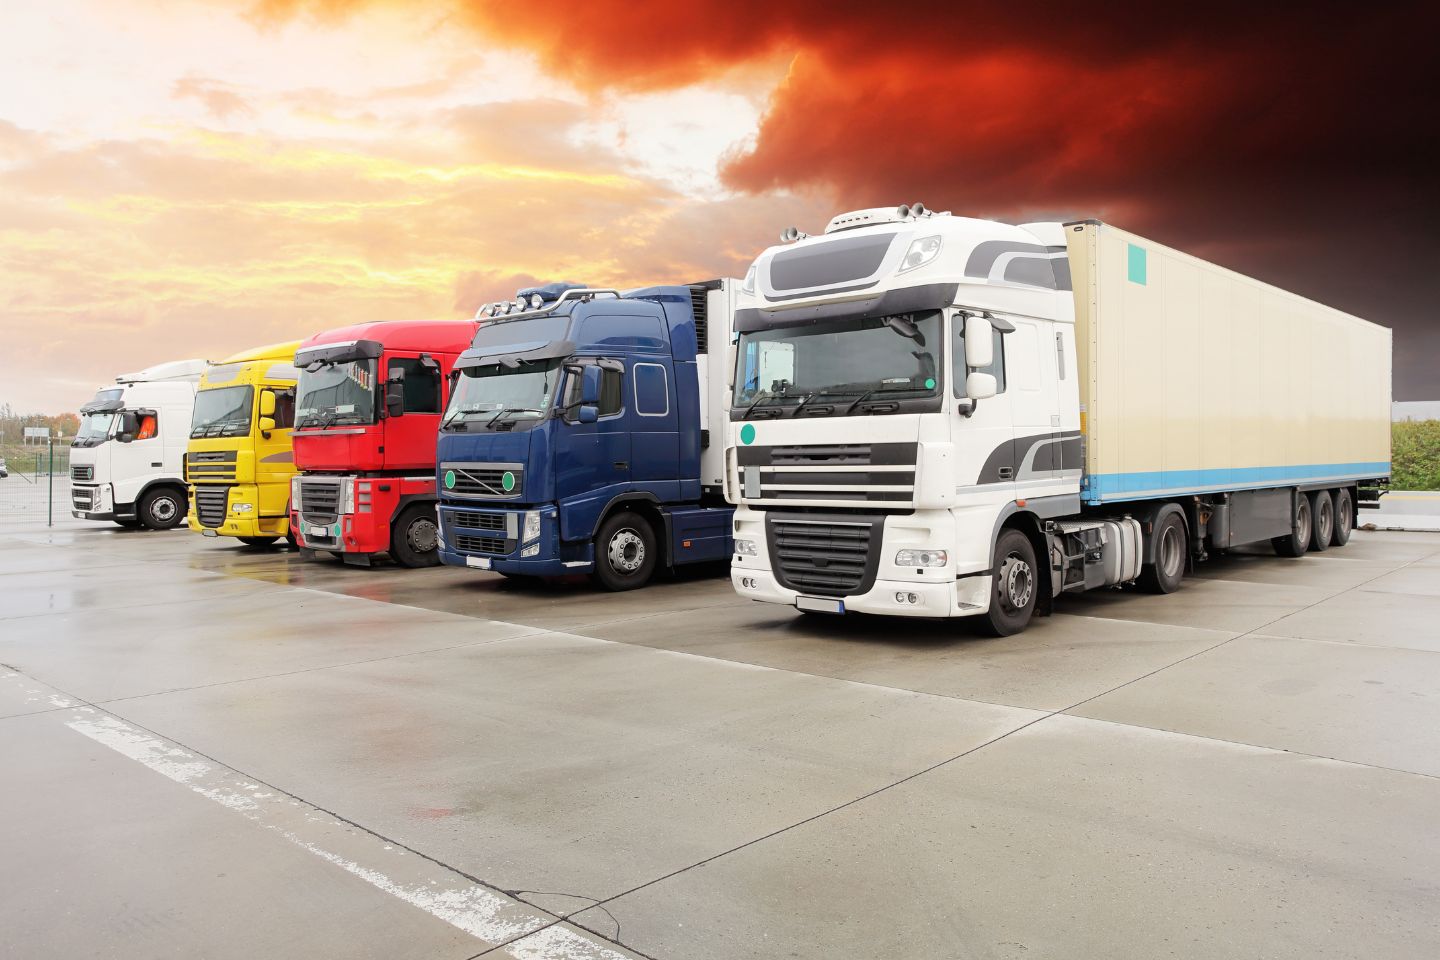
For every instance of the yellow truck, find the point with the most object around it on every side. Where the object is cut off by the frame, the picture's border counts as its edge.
(239, 461)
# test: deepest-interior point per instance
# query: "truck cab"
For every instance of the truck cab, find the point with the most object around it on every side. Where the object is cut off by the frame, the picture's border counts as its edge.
(127, 459)
(577, 439)
(369, 402)
(239, 461)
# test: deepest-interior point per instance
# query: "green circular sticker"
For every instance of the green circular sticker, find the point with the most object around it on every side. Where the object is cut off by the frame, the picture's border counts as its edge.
(929, 383)
(449, 479)
(508, 481)
(747, 433)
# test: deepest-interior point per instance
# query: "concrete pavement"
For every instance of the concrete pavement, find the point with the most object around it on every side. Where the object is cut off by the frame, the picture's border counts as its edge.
(211, 750)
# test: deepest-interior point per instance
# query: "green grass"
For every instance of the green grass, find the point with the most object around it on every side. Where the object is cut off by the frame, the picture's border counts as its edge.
(1415, 455)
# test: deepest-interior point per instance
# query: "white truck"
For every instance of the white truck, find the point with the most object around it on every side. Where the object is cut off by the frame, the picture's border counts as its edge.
(938, 416)
(127, 460)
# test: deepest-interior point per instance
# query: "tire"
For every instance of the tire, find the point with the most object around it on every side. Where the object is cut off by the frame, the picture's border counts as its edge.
(257, 541)
(1016, 585)
(625, 552)
(1344, 517)
(1322, 520)
(415, 538)
(161, 508)
(1165, 574)
(1295, 543)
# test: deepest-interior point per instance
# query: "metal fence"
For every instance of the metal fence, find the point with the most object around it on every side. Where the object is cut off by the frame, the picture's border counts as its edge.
(36, 489)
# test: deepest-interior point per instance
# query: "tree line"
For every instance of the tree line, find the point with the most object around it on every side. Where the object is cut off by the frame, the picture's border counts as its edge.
(12, 424)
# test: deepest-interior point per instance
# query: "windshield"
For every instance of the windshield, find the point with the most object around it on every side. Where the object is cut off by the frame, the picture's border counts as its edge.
(837, 367)
(336, 393)
(224, 412)
(94, 429)
(496, 398)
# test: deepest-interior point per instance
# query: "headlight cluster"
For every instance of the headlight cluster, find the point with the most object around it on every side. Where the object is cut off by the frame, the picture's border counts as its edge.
(745, 548)
(531, 528)
(921, 558)
(242, 508)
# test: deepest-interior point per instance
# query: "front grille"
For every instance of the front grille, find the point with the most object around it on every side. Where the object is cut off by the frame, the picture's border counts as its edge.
(492, 545)
(823, 556)
(211, 503)
(319, 501)
(83, 498)
(86, 472)
(482, 482)
(210, 466)
(847, 473)
(478, 521)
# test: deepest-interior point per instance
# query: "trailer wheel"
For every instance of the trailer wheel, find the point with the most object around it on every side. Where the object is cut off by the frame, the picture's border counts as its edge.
(1297, 541)
(1344, 518)
(1322, 514)
(415, 539)
(1165, 574)
(624, 552)
(161, 508)
(1017, 585)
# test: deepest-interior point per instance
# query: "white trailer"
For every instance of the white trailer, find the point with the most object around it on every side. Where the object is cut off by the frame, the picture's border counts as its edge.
(941, 416)
(127, 460)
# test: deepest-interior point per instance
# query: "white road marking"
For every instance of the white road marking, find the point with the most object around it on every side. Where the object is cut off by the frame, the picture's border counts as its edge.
(483, 913)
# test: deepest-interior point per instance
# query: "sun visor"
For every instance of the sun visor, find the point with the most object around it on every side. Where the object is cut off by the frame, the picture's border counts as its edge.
(345, 352)
(111, 405)
(512, 354)
(931, 296)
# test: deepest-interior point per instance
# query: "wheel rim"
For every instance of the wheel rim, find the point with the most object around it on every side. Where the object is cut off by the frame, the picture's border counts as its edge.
(1017, 583)
(1342, 516)
(1302, 524)
(1324, 523)
(422, 536)
(1171, 555)
(626, 551)
(164, 509)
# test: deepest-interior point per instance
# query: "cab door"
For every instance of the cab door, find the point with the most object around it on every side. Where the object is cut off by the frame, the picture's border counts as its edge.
(592, 460)
(274, 455)
(410, 437)
(1033, 383)
(985, 435)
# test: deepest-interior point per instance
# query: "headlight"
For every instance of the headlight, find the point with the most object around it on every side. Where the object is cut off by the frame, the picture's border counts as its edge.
(531, 530)
(347, 488)
(921, 252)
(745, 548)
(749, 285)
(242, 508)
(921, 558)
(295, 492)
(531, 551)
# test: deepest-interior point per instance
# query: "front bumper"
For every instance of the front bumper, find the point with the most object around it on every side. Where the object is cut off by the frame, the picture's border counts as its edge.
(892, 598)
(233, 524)
(97, 502)
(492, 538)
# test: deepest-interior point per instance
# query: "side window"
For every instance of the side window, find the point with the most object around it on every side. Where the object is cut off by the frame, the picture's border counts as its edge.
(959, 370)
(422, 387)
(149, 426)
(652, 394)
(610, 394)
(284, 408)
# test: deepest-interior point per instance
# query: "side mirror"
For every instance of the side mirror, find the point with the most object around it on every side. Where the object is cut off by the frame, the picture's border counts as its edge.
(588, 413)
(267, 404)
(129, 426)
(979, 346)
(589, 389)
(980, 386)
(267, 424)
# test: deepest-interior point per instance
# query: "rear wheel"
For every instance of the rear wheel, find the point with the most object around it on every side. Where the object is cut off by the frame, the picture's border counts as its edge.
(415, 539)
(257, 541)
(1295, 543)
(161, 508)
(624, 552)
(1165, 574)
(1016, 585)
(1344, 517)
(1322, 520)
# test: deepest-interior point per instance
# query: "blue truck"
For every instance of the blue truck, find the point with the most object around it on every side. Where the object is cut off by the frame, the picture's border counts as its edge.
(578, 438)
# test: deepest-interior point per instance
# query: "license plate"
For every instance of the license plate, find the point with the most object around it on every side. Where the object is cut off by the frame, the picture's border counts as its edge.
(319, 531)
(208, 533)
(482, 563)
(820, 604)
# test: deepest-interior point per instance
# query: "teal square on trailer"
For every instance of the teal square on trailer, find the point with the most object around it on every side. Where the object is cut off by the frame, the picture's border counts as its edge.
(1136, 259)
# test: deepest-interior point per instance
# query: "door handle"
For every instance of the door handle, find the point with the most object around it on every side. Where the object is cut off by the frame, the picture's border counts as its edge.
(622, 464)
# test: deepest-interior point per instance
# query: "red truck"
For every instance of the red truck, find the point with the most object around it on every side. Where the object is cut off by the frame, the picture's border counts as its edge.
(367, 412)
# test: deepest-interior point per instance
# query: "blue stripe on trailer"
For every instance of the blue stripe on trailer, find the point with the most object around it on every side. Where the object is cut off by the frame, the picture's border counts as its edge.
(1099, 487)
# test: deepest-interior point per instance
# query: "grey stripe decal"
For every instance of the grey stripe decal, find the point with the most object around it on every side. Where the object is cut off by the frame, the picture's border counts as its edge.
(1027, 264)
(1040, 453)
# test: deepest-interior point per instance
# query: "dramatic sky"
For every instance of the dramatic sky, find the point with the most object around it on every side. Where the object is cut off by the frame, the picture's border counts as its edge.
(193, 177)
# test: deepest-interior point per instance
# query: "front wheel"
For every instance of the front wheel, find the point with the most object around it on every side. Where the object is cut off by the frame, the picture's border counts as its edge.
(415, 539)
(1297, 541)
(162, 508)
(1016, 585)
(624, 552)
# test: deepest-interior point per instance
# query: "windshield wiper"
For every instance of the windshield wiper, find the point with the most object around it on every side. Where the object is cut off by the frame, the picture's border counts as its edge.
(508, 410)
(763, 398)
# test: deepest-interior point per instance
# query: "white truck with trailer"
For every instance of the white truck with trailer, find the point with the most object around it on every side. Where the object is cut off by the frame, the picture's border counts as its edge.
(939, 416)
(127, 459)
